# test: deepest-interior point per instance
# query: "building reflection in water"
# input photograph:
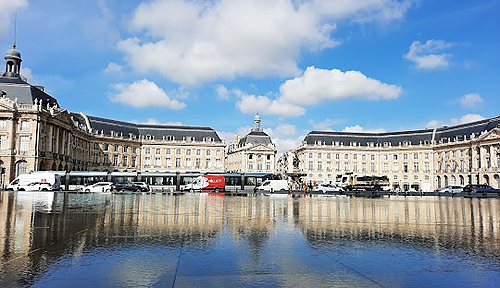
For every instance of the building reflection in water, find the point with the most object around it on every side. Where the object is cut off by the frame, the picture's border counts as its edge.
(37, 228)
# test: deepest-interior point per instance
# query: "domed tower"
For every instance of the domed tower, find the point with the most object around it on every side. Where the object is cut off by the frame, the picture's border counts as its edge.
(12, 63)
(256, 123)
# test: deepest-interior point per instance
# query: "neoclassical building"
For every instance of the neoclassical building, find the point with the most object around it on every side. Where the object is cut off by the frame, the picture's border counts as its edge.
(253, 153)
(420, 160)
(37, 134)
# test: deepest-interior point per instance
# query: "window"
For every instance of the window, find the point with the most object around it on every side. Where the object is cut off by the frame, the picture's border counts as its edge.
(395, 157)
(355, 166)
(24, 144)
(337, 156)
(197, 163)
(22, 167)
(116, 148)
(198, 152)
(106, 147)
(415, 156)
(415, 166)
(385, 166)
(177, 162)
(395, 167)
(363, 157)
(372, 166)
(346, 166)
(177, 151)
(115, 160)
(134, 150)
(3, 124)
(268, 166)
(355, 157)
(250, 166)
(134, 161)
(168, 162)
(167, 151)
(405, 156)
(405, 167)
(188, 162)
(125, 160)
(148, 151)
(218, 153)
(125, 149)
(346, 156)
(311, 165)
(427, 167)
(328, 156)
(147, 161)
(319, 155)
(372, 157)
(3, 142)
(207, 163)
(320, 165)
(25, 125)
(208, 152)
(310, 155)
(158, 151)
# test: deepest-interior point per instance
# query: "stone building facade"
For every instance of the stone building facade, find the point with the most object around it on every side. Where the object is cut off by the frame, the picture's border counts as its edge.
(418, 160)
(253, 153)
(37, 134)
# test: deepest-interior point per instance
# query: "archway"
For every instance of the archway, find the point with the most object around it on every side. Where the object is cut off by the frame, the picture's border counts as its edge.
(486, 179)
(438, 179)
(54, 167)
(462, 180)
(60, 168)
(496, 181)
(445, 180)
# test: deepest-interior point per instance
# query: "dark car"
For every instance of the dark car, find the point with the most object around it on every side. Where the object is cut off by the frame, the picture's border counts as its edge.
(122, 187)
(480, 188)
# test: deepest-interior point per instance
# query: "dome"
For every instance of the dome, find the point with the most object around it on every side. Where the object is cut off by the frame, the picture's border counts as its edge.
(13, 53)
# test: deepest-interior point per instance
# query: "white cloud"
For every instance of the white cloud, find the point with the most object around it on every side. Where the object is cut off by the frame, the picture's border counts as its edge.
(26, 72)
(426, 56)
(113, 68)
(250, 104)
(326, 124)
(317, 85)
(357, 128)
(455, 121)
(222, 92)
(144, 93)
(471, 100)
(201, 41)
(8, 8)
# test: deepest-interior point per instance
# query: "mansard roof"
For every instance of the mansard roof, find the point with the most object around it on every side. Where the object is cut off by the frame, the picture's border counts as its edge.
(155, 131)
(255, 137)
(18, 88)
(414, 137)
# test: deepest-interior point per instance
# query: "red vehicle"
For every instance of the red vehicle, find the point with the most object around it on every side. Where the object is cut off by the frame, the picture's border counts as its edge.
(215, 183)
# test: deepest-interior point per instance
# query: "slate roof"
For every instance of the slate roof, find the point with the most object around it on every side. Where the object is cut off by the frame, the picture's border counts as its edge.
(158, 131)
(414, 137)
(24, 92)
(255, 137)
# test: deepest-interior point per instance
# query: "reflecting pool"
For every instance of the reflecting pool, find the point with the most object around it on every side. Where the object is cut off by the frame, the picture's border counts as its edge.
(198, 240)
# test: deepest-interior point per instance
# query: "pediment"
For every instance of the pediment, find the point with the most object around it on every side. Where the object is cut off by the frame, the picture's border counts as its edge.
(63, 116)
(493, 134)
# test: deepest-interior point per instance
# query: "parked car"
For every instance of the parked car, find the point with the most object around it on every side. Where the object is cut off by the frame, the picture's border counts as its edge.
(450, 189)
(36, 186)
(122, 187)
(143, 185)
(98, 187)
(325, 188)
(480, 188)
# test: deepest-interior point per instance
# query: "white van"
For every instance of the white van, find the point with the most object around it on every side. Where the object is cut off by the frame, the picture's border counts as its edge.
(23, 181)
(273, 186)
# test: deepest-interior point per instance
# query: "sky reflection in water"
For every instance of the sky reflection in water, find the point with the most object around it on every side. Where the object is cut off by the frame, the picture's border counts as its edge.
(155, 240)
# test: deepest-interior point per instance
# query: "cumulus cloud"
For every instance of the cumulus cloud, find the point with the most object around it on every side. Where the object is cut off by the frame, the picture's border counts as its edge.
(144, 93)
(357, 128)
(222, 92)
(326, 124)
(113, 68)
(471, 100)
(191, 42)
(316, 86)
(427, 55)
(455, 121)
(8, 8)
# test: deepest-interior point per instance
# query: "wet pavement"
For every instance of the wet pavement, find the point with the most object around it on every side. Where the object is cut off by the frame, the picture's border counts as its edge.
(200, 240)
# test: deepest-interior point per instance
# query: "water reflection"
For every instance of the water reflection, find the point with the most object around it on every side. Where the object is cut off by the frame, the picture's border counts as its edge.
(154, 239)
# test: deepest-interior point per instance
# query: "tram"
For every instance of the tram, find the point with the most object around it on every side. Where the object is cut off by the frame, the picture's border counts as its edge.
(161, 181)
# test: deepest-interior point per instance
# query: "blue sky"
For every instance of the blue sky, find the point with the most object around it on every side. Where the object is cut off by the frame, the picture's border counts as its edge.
(371, 65)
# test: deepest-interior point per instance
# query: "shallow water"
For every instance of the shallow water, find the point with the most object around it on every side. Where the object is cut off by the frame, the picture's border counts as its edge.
(199, 240)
